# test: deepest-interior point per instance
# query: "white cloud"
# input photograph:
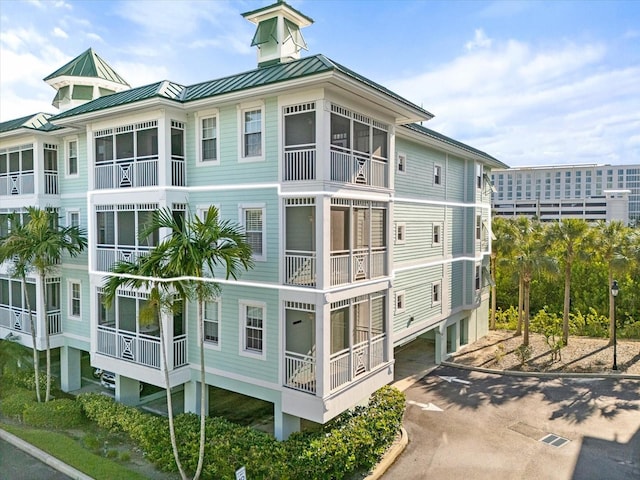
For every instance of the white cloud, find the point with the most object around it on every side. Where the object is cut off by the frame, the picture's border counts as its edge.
(95, 37)
(58, 32)
(480, 40)
(138, 74)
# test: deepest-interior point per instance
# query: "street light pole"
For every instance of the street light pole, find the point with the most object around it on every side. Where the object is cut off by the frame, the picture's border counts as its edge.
(614, 294)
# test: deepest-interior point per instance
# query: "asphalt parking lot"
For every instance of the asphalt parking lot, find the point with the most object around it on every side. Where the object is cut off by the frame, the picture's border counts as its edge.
(470, 425)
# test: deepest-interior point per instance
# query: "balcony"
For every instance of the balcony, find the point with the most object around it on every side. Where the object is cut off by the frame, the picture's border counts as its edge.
(17, 183)
(300, 268)
(361, 264)
(51, 182)
(107, 255)
(140, 348)
(127, 173)
(357, 168)
(17, 319)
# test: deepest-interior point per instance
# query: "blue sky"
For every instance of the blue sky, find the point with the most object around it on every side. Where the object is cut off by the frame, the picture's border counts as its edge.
(529, 82)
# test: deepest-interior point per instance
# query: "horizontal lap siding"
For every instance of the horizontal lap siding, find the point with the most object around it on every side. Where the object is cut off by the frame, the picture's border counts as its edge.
(79, 205)
(76, 184)
(455, 179)
(417, 285)
(457, 284)
(228, 357)
(418, 179)
(419, 221)
(73, 326)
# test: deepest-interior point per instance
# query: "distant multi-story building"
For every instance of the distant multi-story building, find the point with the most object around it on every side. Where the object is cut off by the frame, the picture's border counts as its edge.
(592, 192)
(368, 230)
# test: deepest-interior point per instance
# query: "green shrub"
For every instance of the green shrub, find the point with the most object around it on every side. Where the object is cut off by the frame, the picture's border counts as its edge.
(507, 319)
(125, 456)
(57, 414)
(26, 379)
(523, 352)
(14, 404)
(91, 442)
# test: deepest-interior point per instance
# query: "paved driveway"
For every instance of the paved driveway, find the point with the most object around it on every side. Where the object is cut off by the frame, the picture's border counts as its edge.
(473, 426)
(18, 465)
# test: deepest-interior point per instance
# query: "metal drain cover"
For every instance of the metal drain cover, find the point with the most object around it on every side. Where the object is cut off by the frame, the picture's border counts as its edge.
(554, 440)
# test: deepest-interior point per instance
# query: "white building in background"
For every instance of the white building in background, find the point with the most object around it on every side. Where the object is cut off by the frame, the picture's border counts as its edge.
(368, 230)
(592, 192)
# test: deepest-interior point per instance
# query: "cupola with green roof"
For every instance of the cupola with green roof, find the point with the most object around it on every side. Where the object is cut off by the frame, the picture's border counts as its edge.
(83, 79)
(278, 35)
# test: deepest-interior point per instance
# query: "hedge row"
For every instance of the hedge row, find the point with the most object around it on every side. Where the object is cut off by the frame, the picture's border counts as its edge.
(355, 441)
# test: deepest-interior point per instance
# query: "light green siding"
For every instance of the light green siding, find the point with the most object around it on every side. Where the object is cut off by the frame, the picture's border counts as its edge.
(72, 325)
(417, 287)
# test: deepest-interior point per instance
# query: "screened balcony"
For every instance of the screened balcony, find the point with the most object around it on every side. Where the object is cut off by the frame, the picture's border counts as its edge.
(16, 171)
(14, 313)
(300, 255)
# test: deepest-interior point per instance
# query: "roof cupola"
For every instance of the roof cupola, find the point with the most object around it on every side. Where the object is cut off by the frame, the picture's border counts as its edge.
(83, 79)
(278, 35)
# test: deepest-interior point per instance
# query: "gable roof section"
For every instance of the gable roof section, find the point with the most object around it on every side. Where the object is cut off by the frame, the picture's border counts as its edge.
(164, 89)
(414, 127)
(312, 65)
(36, 121)
(88, 64)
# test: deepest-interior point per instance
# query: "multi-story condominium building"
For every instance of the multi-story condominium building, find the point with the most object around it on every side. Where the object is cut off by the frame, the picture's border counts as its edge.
(591, 192)
(368, 230)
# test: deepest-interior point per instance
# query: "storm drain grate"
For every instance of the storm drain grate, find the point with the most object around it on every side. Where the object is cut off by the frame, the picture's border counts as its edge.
(554, 440)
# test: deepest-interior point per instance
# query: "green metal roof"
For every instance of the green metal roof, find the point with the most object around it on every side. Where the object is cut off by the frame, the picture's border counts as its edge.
(88, 64)
(36, 121)
(443, 138)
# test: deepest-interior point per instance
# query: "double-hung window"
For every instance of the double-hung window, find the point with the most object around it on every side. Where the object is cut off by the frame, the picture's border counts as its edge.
(72, 157)
(209, 139)
(437, 174)
(436, 293)
(252, 133)
(437, 234)
(252, 323)
(212, 322)
(254, 222)
(74, 299)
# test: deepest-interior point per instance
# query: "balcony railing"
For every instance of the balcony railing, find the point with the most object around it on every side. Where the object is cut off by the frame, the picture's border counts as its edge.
(348, 364)
(300, 268)
(107, 255)
(16, 319)
(347, 267)
(300, 372)
(300, 163)
(127, 173)
(348, 166)
(16, 183)
(178, 172)
(179, 351)
(54, 321)
(51, 182)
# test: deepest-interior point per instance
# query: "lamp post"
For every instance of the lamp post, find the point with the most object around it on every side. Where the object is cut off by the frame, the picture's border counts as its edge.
(614, 294)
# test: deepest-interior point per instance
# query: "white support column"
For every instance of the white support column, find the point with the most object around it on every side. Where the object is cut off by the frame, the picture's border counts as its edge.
(283, 423)
(323, 347)
(164, 150)
(70, 375)
(192, 397)
(441, 343)
(127, 390)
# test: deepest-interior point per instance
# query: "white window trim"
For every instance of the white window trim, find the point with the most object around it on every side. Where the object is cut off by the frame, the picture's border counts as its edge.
(478, 227)
(401, 227)
(400, 295)
(477, 279)
(70, 212)
(199, 117)
(402, 160)
(67, 141)
(433, 240)
(256, 206)
(439, 300)
(479, 176)
(208, 344)
(242, 108)
(242, 308)
(70, 283)
(438, 184)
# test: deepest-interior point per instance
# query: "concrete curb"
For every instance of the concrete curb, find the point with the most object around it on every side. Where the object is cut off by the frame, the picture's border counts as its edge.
(517, 373)
(392, 454)
(43, 456)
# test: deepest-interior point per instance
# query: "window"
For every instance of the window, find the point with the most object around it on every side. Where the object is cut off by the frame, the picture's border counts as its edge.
(437, 234)
(436, 293)
(400, 233)
(73, 219)
(478, 277)
(402, 162)
(253, 222)
(252, 133)
(437, 175)
(478, 175)
(72, 157)
(212, 322)
(478, 227)
(400, 302)
(252, 323)
(74, 299)
(209, 139)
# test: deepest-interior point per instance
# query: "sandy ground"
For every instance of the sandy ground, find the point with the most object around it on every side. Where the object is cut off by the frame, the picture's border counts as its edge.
(497, 350)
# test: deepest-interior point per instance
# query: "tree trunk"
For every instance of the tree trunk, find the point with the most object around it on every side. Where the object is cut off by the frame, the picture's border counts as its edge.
(567, 300)
(525, 338)
(43, 286)
(492, 319)
(520, 308)
(36, 358)
(612, 309)
(202, 390)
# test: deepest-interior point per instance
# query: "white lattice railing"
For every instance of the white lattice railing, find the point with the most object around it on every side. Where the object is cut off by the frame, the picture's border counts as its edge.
(126, 174)
(300, 163)
(15, 319)
(358, 168)
(347, 364)
(347, 267)
(106, 256)
(16, 183)
(300, 372)
(300, 268)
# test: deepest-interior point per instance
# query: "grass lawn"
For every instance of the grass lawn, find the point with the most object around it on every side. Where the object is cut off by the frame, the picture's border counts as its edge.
(72, 453)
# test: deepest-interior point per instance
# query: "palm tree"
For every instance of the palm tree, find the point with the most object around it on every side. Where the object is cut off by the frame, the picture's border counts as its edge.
(501, 247)
(161, 299)
(194, 248)
(47, 241)
(612, 244)
(568, 236)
